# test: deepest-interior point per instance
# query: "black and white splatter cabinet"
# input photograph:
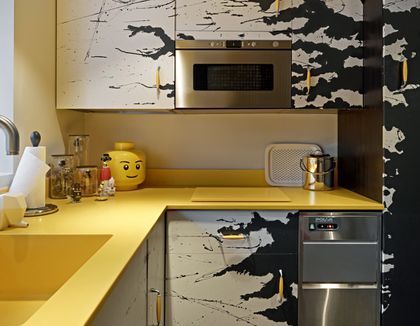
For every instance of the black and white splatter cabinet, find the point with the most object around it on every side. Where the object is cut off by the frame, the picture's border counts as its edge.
(119, 54)
(401, 101)
(115, 54)
(214, 279)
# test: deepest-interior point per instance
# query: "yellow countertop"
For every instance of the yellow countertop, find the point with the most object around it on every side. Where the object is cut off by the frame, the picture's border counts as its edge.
(128, 218)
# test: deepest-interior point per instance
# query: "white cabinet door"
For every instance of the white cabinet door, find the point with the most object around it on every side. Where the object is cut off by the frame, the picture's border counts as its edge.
(156, 274)
(109, 52)
(231, 19)
(126, 303)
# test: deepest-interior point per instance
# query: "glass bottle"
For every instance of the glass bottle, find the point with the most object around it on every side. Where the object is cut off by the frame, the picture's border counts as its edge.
(79, 147)
(61, 178)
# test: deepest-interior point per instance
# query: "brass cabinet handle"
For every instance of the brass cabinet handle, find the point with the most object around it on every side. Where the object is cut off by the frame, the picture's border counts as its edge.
(158, 305)
(405, 72)
(158, 80)
(281, 286)
(308, 80)
(234, 236)
(277, 7)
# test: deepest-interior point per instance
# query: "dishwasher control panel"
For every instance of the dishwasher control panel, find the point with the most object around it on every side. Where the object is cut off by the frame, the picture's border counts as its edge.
(322, 224)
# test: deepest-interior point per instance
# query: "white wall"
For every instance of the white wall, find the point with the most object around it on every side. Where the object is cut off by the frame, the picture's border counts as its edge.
(34, 84)
(6, 76)
(209, 141)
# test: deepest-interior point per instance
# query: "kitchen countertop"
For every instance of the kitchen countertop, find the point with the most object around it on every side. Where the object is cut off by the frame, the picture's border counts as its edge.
(129, 217)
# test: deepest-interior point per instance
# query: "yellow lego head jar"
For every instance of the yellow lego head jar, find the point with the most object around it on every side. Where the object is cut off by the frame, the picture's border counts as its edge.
(128, 166)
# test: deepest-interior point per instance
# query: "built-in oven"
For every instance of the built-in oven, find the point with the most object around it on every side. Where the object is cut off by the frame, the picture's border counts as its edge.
(233, 74)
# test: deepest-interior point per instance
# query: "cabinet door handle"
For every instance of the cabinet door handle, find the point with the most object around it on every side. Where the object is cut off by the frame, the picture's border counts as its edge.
(277, 7)
(405, 72)
(158, 305)
(158, 80)
(308, 80)
(281, 286)
(234, 236)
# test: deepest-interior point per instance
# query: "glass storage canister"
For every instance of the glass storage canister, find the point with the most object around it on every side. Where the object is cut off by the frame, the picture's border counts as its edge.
(87, 177)
(79, 147)
(61, 177)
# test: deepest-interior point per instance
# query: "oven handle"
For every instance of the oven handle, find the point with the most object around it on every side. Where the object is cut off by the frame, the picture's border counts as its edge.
(339, 286)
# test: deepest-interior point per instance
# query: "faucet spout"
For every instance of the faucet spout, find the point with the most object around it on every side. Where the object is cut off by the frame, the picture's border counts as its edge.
(12, 135)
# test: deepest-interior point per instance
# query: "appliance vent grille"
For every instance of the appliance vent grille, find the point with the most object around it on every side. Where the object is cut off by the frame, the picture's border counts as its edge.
(282, 163)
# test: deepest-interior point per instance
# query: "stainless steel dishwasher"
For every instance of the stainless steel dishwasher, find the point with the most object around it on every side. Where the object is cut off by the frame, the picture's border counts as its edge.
(339, 268)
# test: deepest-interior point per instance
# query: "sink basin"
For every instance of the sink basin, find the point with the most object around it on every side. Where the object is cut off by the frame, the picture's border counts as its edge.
(34, 267)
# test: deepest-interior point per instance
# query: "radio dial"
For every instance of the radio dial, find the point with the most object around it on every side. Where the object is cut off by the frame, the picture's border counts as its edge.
(275, 44)
(253, 44)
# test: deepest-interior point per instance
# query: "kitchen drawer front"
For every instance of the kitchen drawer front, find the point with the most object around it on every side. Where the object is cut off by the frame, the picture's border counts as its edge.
(340, 307)
(340, 262)
(209, 289)
(262, 232)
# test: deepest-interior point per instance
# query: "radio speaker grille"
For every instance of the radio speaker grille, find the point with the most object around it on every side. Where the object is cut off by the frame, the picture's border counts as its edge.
(282, 163)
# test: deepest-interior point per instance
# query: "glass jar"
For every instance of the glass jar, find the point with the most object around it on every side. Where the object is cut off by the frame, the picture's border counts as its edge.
(61, 178)
(87, 177)
(79, 147)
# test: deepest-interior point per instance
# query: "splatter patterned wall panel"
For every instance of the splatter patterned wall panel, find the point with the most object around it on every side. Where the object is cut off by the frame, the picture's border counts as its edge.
(214, 281)
(327, 39)
(108, 52)
(401, 265)
(232, 19)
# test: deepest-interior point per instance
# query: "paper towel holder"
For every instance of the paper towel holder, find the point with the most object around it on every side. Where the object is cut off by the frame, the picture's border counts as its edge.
(39, 211)
(48, 208)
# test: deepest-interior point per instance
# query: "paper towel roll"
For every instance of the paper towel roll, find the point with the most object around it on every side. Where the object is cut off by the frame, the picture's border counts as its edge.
(30, 176)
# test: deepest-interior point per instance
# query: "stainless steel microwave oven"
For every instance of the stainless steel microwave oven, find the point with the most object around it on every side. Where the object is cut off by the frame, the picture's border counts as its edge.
(233, 74)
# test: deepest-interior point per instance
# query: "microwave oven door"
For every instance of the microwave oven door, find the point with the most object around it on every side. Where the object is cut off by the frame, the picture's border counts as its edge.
(225, 79)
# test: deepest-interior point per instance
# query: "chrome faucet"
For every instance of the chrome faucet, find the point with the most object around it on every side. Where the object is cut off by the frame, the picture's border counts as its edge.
(12, 135)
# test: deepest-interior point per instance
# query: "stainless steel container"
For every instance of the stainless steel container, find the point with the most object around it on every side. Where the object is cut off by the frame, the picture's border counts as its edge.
(318, 171)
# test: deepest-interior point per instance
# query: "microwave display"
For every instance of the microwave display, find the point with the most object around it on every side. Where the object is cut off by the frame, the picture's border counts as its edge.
(233, 77)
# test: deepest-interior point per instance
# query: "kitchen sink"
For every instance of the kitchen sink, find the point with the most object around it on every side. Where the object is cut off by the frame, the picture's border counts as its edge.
(34, 267)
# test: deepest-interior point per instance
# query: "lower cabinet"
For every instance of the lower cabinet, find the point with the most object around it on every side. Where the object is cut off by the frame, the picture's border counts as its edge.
(137, 297)
(222, 268)
(231, 268)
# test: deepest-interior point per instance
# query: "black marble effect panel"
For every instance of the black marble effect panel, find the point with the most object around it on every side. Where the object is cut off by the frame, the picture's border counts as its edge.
(327, 39)
(401, 265)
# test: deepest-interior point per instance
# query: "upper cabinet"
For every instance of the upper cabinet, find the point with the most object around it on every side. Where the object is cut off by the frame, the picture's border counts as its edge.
(115, 54)
(232, 19)
(120, 54)
(327, 54)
